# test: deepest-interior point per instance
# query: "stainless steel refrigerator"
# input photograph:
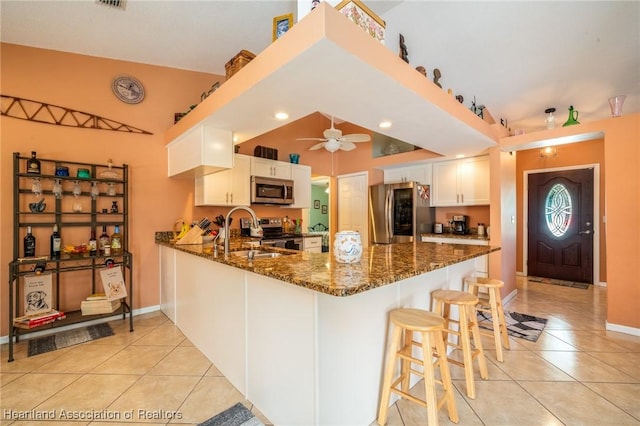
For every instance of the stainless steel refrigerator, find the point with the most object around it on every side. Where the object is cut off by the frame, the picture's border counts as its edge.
(399, 212)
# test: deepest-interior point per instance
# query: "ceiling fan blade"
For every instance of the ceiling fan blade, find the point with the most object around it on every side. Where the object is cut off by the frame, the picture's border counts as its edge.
(311, 139)
(356, 137)
(317, 146)
(332, 133)
(347, 146)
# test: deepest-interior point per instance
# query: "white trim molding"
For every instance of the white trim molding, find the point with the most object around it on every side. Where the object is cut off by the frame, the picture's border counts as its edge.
(622, 329)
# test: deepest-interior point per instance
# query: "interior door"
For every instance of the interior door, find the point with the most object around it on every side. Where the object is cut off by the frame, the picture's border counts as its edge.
(353, 195)
(560, 227)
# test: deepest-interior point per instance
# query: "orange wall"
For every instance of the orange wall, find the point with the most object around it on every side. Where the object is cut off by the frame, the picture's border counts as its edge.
(84, 83)
(589, 152)
(622, 208)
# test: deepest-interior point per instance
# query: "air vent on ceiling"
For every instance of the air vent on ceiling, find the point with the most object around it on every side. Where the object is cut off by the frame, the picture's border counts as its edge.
(118, 4)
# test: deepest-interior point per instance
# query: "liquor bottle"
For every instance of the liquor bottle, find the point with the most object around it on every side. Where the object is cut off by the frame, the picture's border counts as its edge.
(40, 267)
(116, 241)
(33, 164)
(93, 243)
(103, 240)
(55, 242)
(29, 244)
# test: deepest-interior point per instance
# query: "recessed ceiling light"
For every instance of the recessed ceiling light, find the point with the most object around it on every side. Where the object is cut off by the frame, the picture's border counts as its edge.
(460, 156)
(384, 124)
(281, 115)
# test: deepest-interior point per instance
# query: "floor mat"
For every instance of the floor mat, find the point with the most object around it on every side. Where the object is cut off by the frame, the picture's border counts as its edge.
(552, 281)
(238, 415)
(519, 325)
(67, 338)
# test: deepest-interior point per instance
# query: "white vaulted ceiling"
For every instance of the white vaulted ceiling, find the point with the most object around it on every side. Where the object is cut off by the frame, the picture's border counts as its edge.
(516, 58)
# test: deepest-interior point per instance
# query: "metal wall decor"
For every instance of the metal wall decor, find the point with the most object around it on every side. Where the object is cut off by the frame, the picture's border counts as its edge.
(41, 112)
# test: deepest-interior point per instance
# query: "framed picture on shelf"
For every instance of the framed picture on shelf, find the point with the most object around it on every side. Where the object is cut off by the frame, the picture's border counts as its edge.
(37, 294)
(316, 204)
(282, 24)
(324, 209)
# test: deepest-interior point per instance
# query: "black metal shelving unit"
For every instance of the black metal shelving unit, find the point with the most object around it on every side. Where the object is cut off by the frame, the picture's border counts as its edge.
(65, 218)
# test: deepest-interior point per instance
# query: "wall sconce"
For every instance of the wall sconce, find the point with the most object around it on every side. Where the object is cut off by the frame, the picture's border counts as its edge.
(548, 152)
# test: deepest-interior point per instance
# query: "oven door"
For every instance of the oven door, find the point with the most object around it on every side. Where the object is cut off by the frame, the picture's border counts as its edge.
(274, 243)
(294, 244)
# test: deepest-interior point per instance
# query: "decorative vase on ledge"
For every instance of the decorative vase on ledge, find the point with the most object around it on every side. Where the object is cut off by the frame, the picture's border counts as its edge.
(616, 105)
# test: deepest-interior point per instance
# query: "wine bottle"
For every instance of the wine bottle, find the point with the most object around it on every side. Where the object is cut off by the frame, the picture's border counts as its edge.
(103, 240)
(29, 244)
(116, 241)
(33, 164)
(56, 242)
(93, 243)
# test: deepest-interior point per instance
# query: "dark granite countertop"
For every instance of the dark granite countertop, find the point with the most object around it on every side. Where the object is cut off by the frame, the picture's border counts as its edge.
(380, 264)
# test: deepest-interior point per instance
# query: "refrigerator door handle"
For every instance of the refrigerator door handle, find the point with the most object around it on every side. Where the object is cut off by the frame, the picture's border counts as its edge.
(388, 209)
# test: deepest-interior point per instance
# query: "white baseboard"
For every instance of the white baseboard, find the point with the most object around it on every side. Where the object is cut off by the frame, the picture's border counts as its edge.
(623, 329)
(601, 284)
(510, 296)
(520, 274)
(136, 312)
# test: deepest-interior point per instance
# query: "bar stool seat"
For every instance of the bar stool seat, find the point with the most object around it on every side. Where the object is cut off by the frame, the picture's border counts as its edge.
(467, 328)
(490, 301)
(429, 327)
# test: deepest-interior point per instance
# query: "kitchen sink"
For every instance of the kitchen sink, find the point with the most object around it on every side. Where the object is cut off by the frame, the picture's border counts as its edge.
(256, 254)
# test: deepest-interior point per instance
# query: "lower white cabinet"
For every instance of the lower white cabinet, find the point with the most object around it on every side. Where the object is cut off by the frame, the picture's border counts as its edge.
(312, 244)
(226, 188)
(168, 282)
(461, 182)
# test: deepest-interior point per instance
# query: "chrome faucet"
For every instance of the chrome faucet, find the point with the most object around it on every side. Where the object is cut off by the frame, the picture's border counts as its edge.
(254, 219)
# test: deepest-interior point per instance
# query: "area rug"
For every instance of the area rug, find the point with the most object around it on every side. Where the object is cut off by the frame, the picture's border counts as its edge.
(238, 415)
(519, 325)
(563, 283)
(67, 338)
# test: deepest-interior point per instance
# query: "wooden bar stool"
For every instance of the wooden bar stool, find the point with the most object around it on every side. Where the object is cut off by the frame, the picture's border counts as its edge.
(490, 301)
(467, 328)
(429, 327)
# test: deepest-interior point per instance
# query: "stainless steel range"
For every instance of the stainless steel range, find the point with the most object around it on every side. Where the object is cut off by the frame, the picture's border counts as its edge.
(273, 233)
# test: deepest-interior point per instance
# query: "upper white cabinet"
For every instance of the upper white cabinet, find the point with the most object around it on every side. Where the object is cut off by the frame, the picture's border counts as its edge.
(270, 168)
(461, 182)
(226, 188)
(420, 173)
(201, 150)
(301, 176)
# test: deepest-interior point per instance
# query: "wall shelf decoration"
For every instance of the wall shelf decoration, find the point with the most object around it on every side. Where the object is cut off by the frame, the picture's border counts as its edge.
(41, 112)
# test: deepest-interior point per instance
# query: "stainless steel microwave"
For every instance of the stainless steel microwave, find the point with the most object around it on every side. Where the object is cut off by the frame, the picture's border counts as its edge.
(265, 190)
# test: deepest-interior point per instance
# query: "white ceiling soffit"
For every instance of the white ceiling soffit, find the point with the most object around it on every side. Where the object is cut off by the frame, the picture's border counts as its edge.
(340, 79)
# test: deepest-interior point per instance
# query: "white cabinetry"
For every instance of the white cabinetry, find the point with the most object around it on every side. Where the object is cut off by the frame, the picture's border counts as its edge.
(301, 176)
(421, 174)
(312, 244)
(226, 188)
(270, 168)
(168, 282)
(461, 182)
(201, 150)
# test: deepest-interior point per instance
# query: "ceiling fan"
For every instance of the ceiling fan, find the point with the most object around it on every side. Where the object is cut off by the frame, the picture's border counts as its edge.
(333, 140)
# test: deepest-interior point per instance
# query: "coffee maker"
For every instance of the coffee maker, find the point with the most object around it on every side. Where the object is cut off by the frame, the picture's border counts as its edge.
(460, 224)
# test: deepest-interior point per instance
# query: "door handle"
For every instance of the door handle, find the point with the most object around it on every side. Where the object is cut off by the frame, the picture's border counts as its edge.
(585, 232)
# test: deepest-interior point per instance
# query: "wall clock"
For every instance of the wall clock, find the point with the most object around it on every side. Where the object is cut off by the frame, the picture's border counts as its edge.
(128, 89)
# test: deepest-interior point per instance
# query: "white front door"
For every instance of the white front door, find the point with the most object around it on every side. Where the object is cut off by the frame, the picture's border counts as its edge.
(352, 204)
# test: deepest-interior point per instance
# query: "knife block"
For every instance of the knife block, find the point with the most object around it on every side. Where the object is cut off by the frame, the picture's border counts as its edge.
(194, 236)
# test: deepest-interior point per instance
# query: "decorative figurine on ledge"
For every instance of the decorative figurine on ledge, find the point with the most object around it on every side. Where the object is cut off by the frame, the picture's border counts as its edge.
(403, 50)
(437, 76)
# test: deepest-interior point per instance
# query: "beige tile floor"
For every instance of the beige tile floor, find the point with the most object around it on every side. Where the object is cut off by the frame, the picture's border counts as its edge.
(577, 373)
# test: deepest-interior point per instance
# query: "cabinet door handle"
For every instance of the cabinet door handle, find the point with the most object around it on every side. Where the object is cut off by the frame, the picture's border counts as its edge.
(232, 198)
(462, 198)
(457, 198)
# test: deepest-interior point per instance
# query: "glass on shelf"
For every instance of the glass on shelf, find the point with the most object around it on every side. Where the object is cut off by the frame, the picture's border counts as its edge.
(77, 189)
(36, 187)
(57, 188)
(95, 191)
(111, 188)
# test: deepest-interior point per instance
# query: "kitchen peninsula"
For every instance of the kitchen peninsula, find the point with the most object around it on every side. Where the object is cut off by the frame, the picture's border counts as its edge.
(302, 336)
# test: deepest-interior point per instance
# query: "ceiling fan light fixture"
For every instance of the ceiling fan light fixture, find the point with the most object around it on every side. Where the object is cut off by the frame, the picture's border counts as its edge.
(332, 145)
